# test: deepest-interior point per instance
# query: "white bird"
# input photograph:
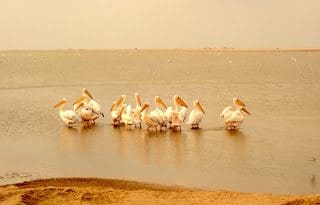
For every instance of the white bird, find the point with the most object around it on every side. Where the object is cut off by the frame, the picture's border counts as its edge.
(150, 120)
(157, 113)
(137, 116)
(183, 114)
(92, 104)
(234, 116)
(127, 117)
(86, 114)
(180, 115)
(68, 116)
(196, 115)
(115, 114)
(116, 109)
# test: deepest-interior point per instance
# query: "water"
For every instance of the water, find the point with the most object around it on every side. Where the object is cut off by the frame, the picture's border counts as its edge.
(275, 151)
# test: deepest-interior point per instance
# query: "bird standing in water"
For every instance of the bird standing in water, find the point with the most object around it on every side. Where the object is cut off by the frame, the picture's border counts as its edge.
(69, 117)
(137, 116)
(86, 114)
(234, 116)
(158, 113)
(87, 98)
(196, 115)
(150, 120)
(179, 115)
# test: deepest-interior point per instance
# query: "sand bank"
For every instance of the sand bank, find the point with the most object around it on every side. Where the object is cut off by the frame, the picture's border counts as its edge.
(106, 191)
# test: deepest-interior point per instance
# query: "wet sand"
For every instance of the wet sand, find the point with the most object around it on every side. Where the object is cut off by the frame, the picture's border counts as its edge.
(103, 191)
(276, 150)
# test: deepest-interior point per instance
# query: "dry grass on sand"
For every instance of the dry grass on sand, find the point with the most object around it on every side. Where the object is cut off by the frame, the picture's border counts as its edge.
(105, 191)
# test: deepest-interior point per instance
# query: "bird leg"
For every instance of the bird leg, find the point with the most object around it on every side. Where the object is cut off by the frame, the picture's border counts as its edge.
(116, 122)
(194, 126)
(231, 127)
(176, 128)
(163, 126)
(128, 126)
(86, 123)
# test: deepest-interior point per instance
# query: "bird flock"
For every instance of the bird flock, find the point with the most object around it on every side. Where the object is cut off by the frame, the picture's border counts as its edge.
(87, 110)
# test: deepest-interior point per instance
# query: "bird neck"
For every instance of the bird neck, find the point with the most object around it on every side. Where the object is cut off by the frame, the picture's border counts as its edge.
(62, 106)
(176, 106)
(236, 106)
(137, 101)
(157, 106)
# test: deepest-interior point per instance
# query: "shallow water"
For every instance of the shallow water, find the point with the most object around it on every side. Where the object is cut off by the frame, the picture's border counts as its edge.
(276, 150)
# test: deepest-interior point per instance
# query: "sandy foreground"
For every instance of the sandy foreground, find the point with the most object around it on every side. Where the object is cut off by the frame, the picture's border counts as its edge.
(109, 191)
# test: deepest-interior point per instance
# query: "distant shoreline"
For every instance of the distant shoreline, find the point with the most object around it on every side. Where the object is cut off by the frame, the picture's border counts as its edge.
(165, 49)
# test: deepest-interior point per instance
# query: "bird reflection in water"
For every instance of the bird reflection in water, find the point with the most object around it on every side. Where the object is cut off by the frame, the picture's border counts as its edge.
(195, 142)
(176, 148)
(313, 181)
(237, 144)
(120, 139)
(66, 140)
(78, 140)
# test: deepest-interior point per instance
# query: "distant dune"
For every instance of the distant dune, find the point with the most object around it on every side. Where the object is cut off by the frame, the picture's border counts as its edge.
(106, 191)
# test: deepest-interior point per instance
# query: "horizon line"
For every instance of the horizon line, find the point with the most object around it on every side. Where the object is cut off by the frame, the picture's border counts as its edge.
(168, 49)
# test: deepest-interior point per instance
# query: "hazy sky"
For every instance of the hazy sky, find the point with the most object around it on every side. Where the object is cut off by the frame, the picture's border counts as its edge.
(58, 24)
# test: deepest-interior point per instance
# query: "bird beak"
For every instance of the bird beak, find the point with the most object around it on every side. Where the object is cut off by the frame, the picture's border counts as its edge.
(143, 108)
(181, 102)
(122, 109)
(120, 101)
(160, 101)
(138, 99)
(246, 111)
(79, 100)
(200, 108)
(240, 103)
(59, 104)
(79, 106)
(113, 106)
(87, 93)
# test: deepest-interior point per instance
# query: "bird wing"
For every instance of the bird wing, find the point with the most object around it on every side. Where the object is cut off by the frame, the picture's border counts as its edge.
(129, 110)
(236, 116)
(126, 118)
(94, 106)
(183, 114)
(168, 113)
(162, 116)
(195, 117)
(226, 112)
(154, 116)
(114, 114)
(69, 115)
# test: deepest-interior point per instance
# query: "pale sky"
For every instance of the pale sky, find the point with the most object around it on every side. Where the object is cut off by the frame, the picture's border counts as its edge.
(107, 24)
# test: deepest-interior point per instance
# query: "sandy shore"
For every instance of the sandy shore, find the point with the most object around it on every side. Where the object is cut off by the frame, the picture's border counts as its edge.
(107, 191)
